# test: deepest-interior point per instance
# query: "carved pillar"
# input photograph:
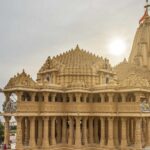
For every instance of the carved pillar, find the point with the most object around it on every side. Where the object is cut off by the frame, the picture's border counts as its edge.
(32, 132)
(78, 132)
(40, 127)
(53, 96)
(26, 128)
(46, 132)
(64, 98)
(116, 130)
(64, 130)
(46, 96)
(148, 132)
(102, 132)
(138, 132)
(70, 95)
(78, 97)
(91, 130)
(85, 98)
(19, 96)
(102, 95)
(6, 132)
(123, 96)
(110, 97)
(90, 98)
(53, 130)
(19, 133)
(58, 130)
(96, 140)
(70, 139)
(85, 131)
(137, 97)
(33, 94)
(124, 133)
(110, 132)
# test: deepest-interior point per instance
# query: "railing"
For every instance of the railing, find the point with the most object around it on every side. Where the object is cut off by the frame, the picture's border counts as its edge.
(59, 107)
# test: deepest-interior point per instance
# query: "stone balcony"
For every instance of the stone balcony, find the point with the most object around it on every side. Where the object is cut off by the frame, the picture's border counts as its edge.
(73, 107)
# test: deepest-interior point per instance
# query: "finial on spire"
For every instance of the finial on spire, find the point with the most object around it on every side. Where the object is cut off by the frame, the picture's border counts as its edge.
(77, 47)
(146, 12)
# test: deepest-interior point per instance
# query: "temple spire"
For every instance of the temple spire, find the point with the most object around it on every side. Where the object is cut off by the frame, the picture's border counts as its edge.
(146, 12)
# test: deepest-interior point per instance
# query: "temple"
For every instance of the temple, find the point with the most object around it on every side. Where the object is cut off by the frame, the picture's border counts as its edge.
(80, 102)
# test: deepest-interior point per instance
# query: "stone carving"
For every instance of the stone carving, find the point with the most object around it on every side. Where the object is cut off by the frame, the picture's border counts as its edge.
(21, 80)
(10, 106)
(145, 106)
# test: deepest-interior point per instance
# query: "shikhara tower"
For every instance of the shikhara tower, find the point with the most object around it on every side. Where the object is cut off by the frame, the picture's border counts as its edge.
(79, 102)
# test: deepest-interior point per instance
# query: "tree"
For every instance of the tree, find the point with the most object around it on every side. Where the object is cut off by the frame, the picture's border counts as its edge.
(1, 132)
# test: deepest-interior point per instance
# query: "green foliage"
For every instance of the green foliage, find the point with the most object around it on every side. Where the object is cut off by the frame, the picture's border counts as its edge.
(1, 132)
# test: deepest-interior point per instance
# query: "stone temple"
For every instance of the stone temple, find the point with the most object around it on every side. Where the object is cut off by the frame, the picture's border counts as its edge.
(80, 102)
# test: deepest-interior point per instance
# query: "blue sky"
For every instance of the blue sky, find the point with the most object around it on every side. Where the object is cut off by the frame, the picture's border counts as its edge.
(32, 30)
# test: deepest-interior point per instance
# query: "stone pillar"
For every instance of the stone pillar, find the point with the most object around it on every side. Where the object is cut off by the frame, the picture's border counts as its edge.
(70, 95)
(116, 138)
(78, 132)
(19, 96)
(137, 97)
(85, 142)
(124, 133)
(53, 130)
(32, 132)
(123, 96)
(64, 98)
(110, 132)
(26, 128)
(46, 132)
(102, 132)
(40, 127)
(96, 140)
(70, 139)
(64, 130)
(6, 131)
(19, 133)
(85, 98)
(78, 97)
(102, 95)
(33, 94)
(90, 98)
(110, 97)
(91, 130)
(138, 132)
(58, 130)
(46, 96)
(53, 96)
(148, 132)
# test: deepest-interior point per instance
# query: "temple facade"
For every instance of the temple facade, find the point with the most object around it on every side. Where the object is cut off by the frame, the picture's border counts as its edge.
(80, 102)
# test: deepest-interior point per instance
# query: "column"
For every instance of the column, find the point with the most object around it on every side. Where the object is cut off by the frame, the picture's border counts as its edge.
(116, 126)
(110, 97)
(19, 133)
(46, 96)
(33, 94)
(70, 139)
(123, 96)
(102, 132)
(102, 95)
(78, 97)
(40, 127)
(138, 132)
(90, 98)
(85, 142)
(91, 130)
(110, 132)
(78, 132)
(96, 140)
(124, 133)
(64, 130)
(70, 95)
(137, 97)
(148, 132)
(32, 132)
(46, 132)
(26, 128)
(53, 130)
(6, 132)
(19, 96)
(58, 130)
(53, 96)
(85, 98)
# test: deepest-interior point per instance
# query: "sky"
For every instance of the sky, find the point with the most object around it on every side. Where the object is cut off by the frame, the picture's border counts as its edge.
(32, 30)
